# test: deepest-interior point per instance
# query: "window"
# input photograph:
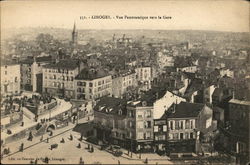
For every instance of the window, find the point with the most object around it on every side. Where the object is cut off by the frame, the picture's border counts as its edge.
(140, 124)
(156, 138)
(181, 124)
(164, 128)
(90, 84)
(187, 125)
(156, 128)
(130, 124)
(209, 122)
(192, 124)
(191, 135)
(170, 136)
(148, 124)
(177, 125)
(139, 115)
(171, 125)
(181, 135)
(148, 114)
(140, 135)
(175, 136)
(148, 135)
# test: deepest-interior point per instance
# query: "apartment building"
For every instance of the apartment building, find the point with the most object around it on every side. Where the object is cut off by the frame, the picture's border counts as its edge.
(92, 84)
(59, 78)
(10, 79)
(121, 81)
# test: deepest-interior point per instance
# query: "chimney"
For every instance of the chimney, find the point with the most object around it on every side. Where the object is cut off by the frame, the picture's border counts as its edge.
(174, 107)
(233, 94)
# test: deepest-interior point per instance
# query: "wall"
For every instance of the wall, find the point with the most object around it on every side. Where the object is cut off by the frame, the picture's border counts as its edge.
(164, 103)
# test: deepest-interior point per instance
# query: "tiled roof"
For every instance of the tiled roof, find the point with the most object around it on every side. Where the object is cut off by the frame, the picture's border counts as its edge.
(64, 64)
(88, 74)
(183, 110)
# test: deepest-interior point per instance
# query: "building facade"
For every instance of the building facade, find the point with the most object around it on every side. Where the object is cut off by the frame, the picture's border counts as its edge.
(31, 73)
(59, 78)
(144, 77)
(10, 79)
(140, 126)
(186, 124)
(92, 84)
(122, 81)
(238, 133)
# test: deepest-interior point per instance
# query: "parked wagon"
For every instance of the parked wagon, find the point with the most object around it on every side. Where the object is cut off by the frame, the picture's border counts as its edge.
(53, 146)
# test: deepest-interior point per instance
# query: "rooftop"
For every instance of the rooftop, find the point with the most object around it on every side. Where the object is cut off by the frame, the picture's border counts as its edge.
(242, 102)
(37, 59)
(64, 64)
(183, 110)
(111, 105)
(91, 74)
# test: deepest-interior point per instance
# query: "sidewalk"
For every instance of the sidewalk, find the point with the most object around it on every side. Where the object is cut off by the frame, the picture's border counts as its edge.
(14, 146)
(135, 156)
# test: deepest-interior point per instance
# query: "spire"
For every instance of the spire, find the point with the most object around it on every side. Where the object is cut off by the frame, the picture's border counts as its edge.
(74, 28)
(74, 35)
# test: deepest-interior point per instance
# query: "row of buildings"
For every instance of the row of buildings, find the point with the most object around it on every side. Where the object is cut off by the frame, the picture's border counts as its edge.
(71, 78)
(166, 124)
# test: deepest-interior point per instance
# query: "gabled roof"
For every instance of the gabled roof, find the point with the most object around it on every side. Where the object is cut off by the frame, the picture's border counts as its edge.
(183, 110)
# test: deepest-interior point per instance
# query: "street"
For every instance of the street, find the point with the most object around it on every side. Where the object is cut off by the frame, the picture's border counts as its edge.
(68, 152)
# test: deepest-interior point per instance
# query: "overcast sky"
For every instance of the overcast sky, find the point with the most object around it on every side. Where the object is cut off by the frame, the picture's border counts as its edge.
(232, 15)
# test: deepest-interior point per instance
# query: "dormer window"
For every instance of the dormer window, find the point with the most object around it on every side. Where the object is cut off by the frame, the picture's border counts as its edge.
(120, 112)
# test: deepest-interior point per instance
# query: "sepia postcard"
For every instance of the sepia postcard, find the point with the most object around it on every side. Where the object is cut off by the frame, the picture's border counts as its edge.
(125, 82)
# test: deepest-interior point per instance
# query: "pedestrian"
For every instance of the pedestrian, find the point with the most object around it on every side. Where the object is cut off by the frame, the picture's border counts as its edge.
(62, 141)
(81, 160)
(46, 160)
(70, 137)
(140, 155)
(79, 145)
(146, 161)
(30, 136)
(21, 147)
(88, 147)
(81, 137)
(47, 139)
(119, 162)
(41, 139)
(35, 161)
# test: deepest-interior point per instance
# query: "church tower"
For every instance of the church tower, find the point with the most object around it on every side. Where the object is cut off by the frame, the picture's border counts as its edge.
(74, 35)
